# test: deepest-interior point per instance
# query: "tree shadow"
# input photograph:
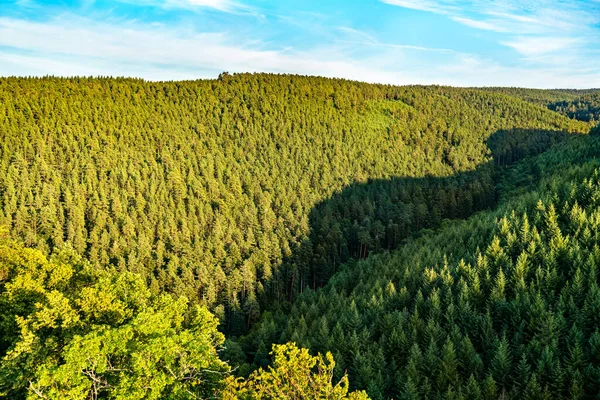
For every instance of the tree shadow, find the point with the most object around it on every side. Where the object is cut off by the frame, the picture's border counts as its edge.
(381, 214)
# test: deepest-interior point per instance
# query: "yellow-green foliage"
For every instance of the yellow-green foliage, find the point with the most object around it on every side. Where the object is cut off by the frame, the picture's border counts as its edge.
(250, 191)
(85, 333)
(206, 188)
(295, 375)
(71, 331)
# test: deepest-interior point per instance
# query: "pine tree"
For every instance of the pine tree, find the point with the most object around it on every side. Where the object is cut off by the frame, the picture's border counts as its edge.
(448, 369)
(473, 391)
(501, 364)
(410, 391)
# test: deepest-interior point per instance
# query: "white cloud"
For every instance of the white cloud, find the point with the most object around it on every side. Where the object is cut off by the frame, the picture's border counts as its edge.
(358, 34)
(516, 16)
(513, 17)
(228, 6)
(41, 65)
(487, 26)
(363, 39)
(218, 4)
(96, 48)
(535, 29)
(70, 45)
(540, 46)
(488, 73)
(439, 7)
(402, 47)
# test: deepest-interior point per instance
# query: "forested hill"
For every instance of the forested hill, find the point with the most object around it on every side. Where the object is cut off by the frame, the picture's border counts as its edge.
(502, 305)
(583, 105)
(205, 188)
(441, 243)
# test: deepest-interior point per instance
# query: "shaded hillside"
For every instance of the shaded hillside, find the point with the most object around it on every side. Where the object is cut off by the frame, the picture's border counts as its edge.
(426, 236)
(584, 108)
(501, 305)
(380, 214)
(205, 188)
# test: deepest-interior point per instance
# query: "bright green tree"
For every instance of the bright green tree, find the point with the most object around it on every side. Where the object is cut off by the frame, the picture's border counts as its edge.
(295, 375)
(88, 334)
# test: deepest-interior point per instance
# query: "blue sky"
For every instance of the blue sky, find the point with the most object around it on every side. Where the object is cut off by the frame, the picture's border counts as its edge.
(529, 43)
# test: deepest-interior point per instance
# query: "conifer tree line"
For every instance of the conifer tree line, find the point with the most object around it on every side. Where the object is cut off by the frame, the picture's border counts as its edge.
(585, 108)
(215, 189)
(501, 305)
(583, 105)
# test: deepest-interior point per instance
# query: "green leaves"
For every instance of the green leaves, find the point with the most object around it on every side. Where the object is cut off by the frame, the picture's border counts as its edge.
(103, 335)
(84, 333)
(150, 357)
(295, 375)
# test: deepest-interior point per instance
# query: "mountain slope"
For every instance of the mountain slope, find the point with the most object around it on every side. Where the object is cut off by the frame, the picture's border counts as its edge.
(206, 188)
(503, 304)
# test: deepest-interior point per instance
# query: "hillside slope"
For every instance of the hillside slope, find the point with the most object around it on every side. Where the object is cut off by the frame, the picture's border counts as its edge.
(206, 188)
(502, 305)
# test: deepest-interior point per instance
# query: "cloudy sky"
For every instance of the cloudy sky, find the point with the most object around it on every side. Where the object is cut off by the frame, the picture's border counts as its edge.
(530, 43)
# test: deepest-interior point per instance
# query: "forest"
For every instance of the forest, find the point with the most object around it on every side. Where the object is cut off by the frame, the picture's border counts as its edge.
(263, 236)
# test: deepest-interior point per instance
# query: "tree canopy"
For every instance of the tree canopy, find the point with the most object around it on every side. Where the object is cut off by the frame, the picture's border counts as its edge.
(436, 242)
(72, 331)
(500, 305)
(208, 188)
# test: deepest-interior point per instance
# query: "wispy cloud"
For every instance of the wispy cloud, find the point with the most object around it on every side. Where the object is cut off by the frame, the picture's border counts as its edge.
(71, 42)
(190, 39)
(71, 45)
(485, 25)
(530, 27)
(361, 38)
(440, 7)
(358, 34)
(537, 16)
(227, 6)
(539, 46)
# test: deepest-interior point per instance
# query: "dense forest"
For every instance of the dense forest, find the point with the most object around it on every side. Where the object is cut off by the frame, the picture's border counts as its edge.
(583, 105)
(501, 305)
(206, 188)
(413, 242)
(73, 331)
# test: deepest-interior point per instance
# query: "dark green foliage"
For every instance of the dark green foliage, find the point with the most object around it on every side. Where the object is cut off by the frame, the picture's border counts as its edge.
(584, 108)
(583, 105)
(504, 304)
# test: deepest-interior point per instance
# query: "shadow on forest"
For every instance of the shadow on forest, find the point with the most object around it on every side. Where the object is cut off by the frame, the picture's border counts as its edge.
(381, 214)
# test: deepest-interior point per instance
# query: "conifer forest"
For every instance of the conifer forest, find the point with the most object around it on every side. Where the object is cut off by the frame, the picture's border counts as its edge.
(272, 236)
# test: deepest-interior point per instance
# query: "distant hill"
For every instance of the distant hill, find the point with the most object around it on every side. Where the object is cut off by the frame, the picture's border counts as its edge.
(583, 105)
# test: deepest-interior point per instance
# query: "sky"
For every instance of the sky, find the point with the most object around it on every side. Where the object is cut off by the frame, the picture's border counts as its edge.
(527, 43)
